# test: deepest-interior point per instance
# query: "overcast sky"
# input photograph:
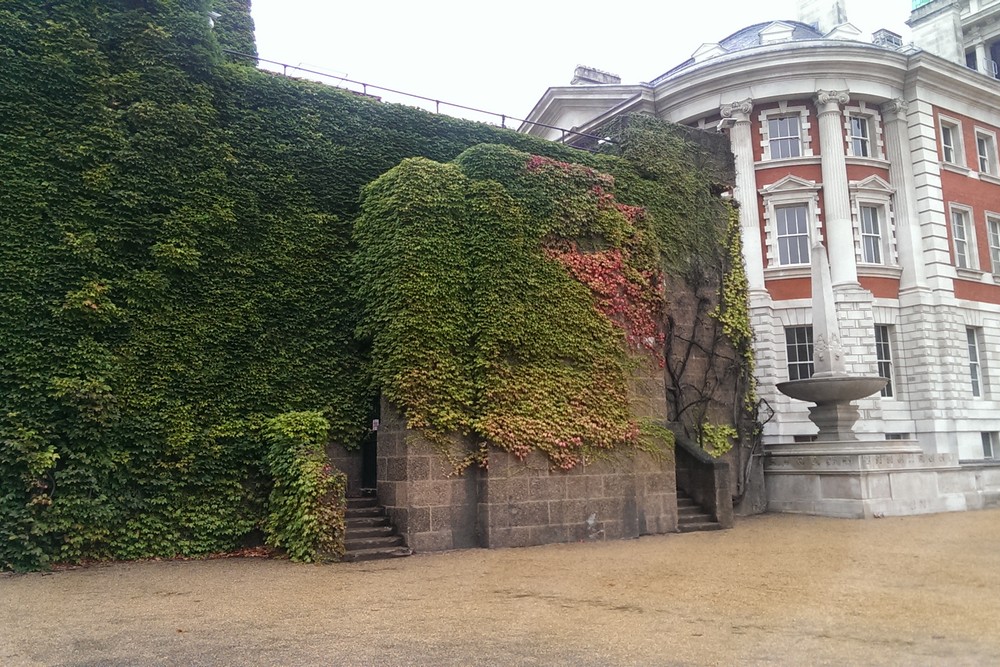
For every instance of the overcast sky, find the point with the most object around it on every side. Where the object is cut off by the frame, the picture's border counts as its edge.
(503, 55)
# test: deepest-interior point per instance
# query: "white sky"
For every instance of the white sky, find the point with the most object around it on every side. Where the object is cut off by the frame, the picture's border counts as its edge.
(501, 56)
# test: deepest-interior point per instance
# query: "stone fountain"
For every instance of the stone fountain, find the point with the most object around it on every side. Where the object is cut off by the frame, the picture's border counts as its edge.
(838, 474)
(831, 388)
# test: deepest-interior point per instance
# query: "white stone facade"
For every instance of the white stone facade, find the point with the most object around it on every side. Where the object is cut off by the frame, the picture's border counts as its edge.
(892, 154)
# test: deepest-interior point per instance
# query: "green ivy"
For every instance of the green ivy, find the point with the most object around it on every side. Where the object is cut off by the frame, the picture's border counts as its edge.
(179, 264)
(306, 507)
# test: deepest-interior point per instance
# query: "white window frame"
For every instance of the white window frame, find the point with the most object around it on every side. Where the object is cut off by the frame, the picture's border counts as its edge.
(872, 234)
(974, 347)
(953, 152)
(800, 235)
(874, 192)
(789, 191)
(803, 343)
(873, 123)
(993, 239)
(986, 162)
(884, 358)
(991, 444)
(966, 260)
(805, 124)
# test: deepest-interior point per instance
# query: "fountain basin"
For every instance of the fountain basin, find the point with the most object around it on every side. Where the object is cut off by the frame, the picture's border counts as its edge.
(832, 388)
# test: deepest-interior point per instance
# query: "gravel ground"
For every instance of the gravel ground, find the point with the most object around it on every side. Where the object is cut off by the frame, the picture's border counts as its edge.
(777, 589)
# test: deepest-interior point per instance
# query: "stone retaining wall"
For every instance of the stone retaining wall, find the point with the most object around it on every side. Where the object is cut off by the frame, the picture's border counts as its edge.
(517, 503)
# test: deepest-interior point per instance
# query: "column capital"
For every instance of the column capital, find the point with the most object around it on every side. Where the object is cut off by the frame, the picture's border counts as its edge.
(895, 109)
(738, 111)
(829, 101)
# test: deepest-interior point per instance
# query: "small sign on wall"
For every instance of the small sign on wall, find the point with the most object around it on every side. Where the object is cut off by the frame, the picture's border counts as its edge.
(374, 424)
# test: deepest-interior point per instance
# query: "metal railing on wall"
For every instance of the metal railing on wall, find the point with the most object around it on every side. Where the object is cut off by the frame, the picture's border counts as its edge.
(365, 87)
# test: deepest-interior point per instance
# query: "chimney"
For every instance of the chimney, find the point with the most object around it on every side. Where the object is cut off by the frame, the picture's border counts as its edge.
(589, 76)
(937, 28)
(824, 15)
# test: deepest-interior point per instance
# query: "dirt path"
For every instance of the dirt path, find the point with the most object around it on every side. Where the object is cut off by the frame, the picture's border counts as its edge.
(774, 590)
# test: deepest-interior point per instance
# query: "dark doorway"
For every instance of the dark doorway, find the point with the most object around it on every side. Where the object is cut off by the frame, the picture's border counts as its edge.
(369, 455)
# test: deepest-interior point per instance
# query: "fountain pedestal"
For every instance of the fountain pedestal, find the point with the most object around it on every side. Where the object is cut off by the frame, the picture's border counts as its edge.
(837, 474)
(834, 412)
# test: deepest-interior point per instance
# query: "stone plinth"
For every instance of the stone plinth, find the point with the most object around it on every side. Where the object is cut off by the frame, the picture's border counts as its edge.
(866, 479)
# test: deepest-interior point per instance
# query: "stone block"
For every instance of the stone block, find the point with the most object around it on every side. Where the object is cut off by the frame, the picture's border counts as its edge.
(551, 534)
(913, 485)
(840, 486)
(878, 485)
(509, 537)
(395, 469)
(432, 541)
(418, 468)
(956, 482)
(529, 514)
(617, 485)
(429, 493)
(550, 487)
(418, 520)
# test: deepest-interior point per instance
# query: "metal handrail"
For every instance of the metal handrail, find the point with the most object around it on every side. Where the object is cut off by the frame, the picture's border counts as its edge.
(437, 103)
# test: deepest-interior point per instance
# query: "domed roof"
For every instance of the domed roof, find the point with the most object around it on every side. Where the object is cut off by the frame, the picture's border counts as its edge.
(749, 37)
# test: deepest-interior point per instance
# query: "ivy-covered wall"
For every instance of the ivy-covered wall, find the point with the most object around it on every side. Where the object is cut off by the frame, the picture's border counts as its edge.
(177, 266)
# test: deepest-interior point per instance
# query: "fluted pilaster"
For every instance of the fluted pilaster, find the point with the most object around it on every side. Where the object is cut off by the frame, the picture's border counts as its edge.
(908, 240)
(745, 192)
(836, 194)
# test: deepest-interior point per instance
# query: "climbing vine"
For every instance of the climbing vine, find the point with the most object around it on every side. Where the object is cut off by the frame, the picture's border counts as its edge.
(306, 507)
(181, 260)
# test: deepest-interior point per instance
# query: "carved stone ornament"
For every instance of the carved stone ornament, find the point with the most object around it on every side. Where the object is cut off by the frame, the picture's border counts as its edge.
(822, 347)
(831, 97)
(897, 106)
(743, 108)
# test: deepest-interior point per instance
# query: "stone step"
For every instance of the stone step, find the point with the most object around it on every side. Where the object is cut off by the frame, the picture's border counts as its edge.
(364, 501)
(376, 554)
(363, 543)
(701, 517)
(690, 509)
(686, 502)
(699, 526)
(366, 530)
(367, 522)
(364, 512)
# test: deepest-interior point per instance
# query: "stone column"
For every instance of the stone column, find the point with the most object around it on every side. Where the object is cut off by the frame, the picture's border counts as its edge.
(980, 44)
(908, 241)
(745, 193)
(836, 195)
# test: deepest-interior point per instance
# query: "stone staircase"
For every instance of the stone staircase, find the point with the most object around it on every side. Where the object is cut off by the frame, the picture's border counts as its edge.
(370, 535)
(691, 517)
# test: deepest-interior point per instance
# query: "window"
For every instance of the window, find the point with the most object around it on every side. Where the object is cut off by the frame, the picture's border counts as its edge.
(962, 238)
(975, 369)
(897, 436)
(799, 345)
(986, 149)
(993, 227)
(951, 142)
(991, 444)
(883, 354)
(871, 235)
(785, 136)
(860, 136)
(793, 234)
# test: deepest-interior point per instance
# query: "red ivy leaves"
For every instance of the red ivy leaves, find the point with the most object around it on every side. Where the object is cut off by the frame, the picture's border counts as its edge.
(630, 298)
